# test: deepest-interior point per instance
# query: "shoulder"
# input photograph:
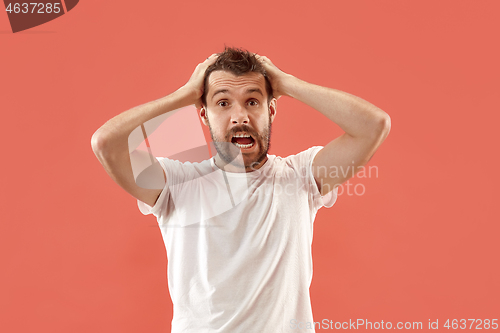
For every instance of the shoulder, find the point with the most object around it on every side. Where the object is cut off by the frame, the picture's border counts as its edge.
(300, 163)
(176, 167)
(305, 153)
(303, 158)
(185, 165)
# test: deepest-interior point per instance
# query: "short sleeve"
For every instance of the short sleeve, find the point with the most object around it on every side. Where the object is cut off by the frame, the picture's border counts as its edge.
(162, 199)
(327, 200)
(301, 163)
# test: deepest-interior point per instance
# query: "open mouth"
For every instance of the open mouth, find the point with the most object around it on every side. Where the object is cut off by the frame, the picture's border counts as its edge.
(243, 140)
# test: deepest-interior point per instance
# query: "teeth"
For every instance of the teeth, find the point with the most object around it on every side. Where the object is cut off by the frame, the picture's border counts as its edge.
(244, 146)
(241, 136)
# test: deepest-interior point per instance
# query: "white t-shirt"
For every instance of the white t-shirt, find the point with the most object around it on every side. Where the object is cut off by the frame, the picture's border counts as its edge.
(239, 244)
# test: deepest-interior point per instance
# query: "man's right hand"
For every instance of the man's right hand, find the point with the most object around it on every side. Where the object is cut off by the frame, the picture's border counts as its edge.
(111, 142)
(196, 82)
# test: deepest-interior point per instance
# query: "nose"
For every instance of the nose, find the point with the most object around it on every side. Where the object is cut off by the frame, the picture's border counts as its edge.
(239, 115)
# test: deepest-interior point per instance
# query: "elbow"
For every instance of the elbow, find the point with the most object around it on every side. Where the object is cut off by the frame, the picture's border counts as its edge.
(382, 126)
(99, 144)
(96, 142)
(379, 128)
(385, 125)
(107, 148)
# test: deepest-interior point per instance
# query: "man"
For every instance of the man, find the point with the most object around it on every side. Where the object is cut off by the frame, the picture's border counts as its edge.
(238, 227)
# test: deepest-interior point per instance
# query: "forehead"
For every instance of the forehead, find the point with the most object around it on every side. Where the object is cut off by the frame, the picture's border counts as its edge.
(233, 83)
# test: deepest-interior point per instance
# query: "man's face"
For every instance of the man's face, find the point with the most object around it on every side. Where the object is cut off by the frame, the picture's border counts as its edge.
(239, 117)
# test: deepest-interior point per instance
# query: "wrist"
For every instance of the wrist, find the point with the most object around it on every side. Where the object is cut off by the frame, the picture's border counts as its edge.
(188, 94)
(288, 84)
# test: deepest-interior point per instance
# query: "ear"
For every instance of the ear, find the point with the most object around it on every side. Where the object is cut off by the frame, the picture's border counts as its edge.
(203, 115)
(273, 108)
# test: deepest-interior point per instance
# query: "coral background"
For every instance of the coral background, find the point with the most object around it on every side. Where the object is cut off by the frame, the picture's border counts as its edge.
(421, 243)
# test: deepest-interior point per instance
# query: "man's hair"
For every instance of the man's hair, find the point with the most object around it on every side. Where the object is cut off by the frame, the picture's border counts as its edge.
(239, 62)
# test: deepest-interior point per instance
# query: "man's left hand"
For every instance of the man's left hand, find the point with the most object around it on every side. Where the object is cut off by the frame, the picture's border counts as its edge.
(276, 76)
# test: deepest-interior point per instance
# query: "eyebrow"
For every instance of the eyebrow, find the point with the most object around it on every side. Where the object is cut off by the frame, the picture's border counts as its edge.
(248, 91)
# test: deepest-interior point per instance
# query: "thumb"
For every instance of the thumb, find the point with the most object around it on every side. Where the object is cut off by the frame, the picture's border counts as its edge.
(198, 104)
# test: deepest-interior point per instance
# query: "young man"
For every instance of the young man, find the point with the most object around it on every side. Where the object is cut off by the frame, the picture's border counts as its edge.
(238, 227)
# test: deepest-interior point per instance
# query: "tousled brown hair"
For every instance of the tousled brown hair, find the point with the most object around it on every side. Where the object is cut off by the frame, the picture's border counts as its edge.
(238, 62)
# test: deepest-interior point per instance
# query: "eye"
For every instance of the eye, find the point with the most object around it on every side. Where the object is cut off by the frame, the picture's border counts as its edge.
(253, 102)
(223, 103)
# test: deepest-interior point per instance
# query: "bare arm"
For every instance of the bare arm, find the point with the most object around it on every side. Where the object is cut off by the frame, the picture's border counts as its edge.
(365, 126)
(110, 142)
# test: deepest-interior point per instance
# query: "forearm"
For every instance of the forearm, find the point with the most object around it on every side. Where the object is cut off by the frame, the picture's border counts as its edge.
(113, 135)
(354, 115)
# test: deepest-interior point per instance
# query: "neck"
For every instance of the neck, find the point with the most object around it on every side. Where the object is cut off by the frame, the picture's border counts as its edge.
(231, 167)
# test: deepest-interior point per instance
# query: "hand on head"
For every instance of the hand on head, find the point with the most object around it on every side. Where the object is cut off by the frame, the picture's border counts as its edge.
(276, 76)
(196, 82)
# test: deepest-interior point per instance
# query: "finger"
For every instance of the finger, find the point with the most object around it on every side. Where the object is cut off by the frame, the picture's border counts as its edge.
(263, 59)
(213, 56)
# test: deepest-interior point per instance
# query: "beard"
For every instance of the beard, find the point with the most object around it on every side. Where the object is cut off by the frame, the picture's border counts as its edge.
(230, 153)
